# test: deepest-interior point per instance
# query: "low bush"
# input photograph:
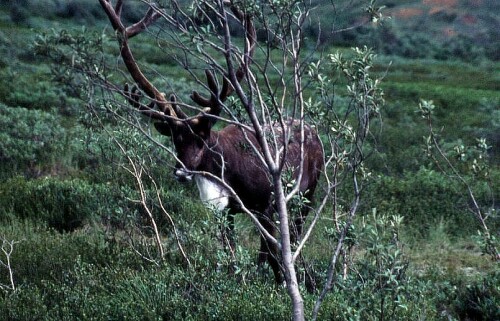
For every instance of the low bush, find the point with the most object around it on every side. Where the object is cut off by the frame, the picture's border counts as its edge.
(166, 293)
(378, 285)
(61, 204)
(79, 10)
(357, 299)
(91, 274)
(42, 254)
(29, 139)
(468, 298)
(479, 300)
(30, 86)
(424, 198)
(19, 14)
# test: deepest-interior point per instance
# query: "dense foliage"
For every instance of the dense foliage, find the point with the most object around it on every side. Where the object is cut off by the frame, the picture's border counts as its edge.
(82, 245)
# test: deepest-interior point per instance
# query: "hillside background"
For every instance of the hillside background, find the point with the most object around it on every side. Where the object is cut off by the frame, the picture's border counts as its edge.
(441, 29)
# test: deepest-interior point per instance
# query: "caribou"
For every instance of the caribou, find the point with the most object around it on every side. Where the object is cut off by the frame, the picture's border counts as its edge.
(225, 164)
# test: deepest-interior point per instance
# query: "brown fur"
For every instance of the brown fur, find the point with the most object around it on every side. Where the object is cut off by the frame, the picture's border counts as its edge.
(228, 154)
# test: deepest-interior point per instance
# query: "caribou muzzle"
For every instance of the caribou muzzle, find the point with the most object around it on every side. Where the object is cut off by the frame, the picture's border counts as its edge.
(182, 176)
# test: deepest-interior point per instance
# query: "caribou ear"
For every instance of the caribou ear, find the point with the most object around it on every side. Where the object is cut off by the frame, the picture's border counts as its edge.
(204, 128)
(163, 128)
(201, 126)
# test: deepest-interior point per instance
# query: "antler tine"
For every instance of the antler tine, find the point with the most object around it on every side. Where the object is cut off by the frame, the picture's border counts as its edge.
(178, 111)
(214, 91)
(133, 95)
(119, 7)
(151, 16)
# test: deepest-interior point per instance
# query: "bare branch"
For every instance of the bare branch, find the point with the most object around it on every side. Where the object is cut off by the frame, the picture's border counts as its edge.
(7, 249)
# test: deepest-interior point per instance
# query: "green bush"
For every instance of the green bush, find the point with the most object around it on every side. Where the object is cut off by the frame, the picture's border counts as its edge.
(26, 303)
(466, 298)
(378, 285)
(96, 293)
(62, 204)
(87, 275)
(424, 198)
(18, 13)
(30, 86)
(357, 299)
(29, 139)
(42, 254)
(87, 11)
(479, 300)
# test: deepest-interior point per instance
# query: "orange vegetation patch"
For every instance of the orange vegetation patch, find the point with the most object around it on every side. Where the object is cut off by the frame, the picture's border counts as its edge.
(408, 13)
(435, 10)
(469, 19)
(441, 3)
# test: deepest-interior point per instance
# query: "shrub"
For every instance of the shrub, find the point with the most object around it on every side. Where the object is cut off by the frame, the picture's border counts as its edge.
(151, 294)
(424, 198)
(479, 300)
(62, 204)
(29, 138)
(18, 13)
(29, 86)
(79, 10)
(42, 254)
(378, 285)
(466, 298)
(24, 304)
(355, 299)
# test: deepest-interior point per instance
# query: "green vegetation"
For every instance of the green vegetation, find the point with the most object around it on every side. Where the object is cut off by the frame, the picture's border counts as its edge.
(82, 243)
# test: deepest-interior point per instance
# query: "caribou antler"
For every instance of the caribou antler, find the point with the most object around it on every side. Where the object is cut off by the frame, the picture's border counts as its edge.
(124, 33)
(168, 108)
(134, 96)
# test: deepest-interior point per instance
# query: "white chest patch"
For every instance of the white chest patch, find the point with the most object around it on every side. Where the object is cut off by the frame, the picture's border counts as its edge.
(211, 193)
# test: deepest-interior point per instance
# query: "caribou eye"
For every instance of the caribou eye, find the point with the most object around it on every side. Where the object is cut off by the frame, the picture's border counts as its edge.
(163, 128)
(201, 134)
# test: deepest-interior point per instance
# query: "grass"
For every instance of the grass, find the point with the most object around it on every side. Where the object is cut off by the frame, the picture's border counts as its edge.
(447, 255)
(441, 80)
(483, 76)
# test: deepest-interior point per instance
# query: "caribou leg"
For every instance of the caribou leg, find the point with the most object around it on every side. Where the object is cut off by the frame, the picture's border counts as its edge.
(268, 251)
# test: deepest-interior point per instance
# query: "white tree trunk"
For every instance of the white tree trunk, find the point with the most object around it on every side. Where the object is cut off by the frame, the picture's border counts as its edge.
(292, 283)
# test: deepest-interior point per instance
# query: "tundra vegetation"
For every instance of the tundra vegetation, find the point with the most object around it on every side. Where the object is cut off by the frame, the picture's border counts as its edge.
(404, 221)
